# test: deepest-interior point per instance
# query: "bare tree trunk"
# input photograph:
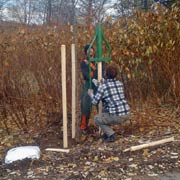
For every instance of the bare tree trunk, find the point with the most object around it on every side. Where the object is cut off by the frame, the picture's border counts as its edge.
(29, 12)
(25, 12)
(2, 4)
(89, 12)
(49, 11)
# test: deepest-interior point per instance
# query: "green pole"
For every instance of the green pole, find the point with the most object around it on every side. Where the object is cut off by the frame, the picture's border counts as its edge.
(98, 39)
(99, 42)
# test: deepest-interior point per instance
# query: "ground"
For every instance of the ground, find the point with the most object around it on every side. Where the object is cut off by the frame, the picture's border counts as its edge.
(90, 158)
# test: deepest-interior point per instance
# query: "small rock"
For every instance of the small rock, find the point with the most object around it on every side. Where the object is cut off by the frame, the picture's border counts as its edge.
(12, 173)
(45, 173)
(87, 163)
(152, 174)
(133, 165)
(29, 173)
(150, 167)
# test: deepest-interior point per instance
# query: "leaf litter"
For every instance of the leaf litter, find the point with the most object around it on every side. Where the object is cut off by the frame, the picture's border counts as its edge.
(93, 159)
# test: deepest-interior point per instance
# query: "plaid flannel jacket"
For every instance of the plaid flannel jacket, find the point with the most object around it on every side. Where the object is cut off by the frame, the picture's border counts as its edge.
(112, 95)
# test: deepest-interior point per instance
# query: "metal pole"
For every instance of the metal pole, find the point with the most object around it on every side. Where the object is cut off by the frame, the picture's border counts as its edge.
(99, 42)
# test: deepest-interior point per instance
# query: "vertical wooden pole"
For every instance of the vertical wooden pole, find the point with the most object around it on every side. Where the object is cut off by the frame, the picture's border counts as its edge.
(99, 71)
(73, 90)
(99, 79)
(64, 96)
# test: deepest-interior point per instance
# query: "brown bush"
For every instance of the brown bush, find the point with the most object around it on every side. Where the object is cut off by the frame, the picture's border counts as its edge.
(146, 47)
(31, 72)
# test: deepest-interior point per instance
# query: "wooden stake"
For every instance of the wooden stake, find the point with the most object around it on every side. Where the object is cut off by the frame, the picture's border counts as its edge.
(73, 90)
(64, 96)
(99, 71)
(58, 150)
(99, 79)
(135, 148)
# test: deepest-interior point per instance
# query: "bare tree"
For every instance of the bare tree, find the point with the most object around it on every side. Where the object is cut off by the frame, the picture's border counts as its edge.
(60, 11)
(23, 11)
(64, 11)
(126, 7)
(49, 11)
(3, 3)
(168, 3)
(94, 10)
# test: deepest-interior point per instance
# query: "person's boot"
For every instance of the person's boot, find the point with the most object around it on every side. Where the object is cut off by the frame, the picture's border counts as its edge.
(104, 137)
(83, 123)
(111, 138)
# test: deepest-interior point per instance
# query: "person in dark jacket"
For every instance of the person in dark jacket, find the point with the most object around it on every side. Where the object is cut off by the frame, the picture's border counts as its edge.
(85, 99)
(115, 107)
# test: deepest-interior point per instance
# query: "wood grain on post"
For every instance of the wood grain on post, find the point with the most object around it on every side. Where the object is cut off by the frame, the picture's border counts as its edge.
(64, 95)
(73, 90)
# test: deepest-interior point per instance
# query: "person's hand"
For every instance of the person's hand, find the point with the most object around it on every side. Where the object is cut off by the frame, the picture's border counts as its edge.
(91, 74)
(86, 61)
(90, 93)
(102, 80)
(95, 81)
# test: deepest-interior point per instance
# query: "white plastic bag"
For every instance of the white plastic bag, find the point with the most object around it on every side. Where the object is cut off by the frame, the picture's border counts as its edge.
(19, 153)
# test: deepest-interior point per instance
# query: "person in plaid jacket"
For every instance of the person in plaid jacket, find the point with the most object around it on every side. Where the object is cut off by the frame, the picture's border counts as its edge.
(115, 107)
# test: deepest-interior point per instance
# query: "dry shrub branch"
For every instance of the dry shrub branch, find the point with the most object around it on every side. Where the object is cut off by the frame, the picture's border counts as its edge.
(146, 47)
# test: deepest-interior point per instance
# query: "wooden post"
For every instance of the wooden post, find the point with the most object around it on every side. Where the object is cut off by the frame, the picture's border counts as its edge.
(64, 96)
(57, 150)
(99, 71)
(154, 143)
(99, 79)
(73, 90)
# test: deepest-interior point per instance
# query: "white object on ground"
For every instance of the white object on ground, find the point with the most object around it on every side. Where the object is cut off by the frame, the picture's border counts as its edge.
(20, 153)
